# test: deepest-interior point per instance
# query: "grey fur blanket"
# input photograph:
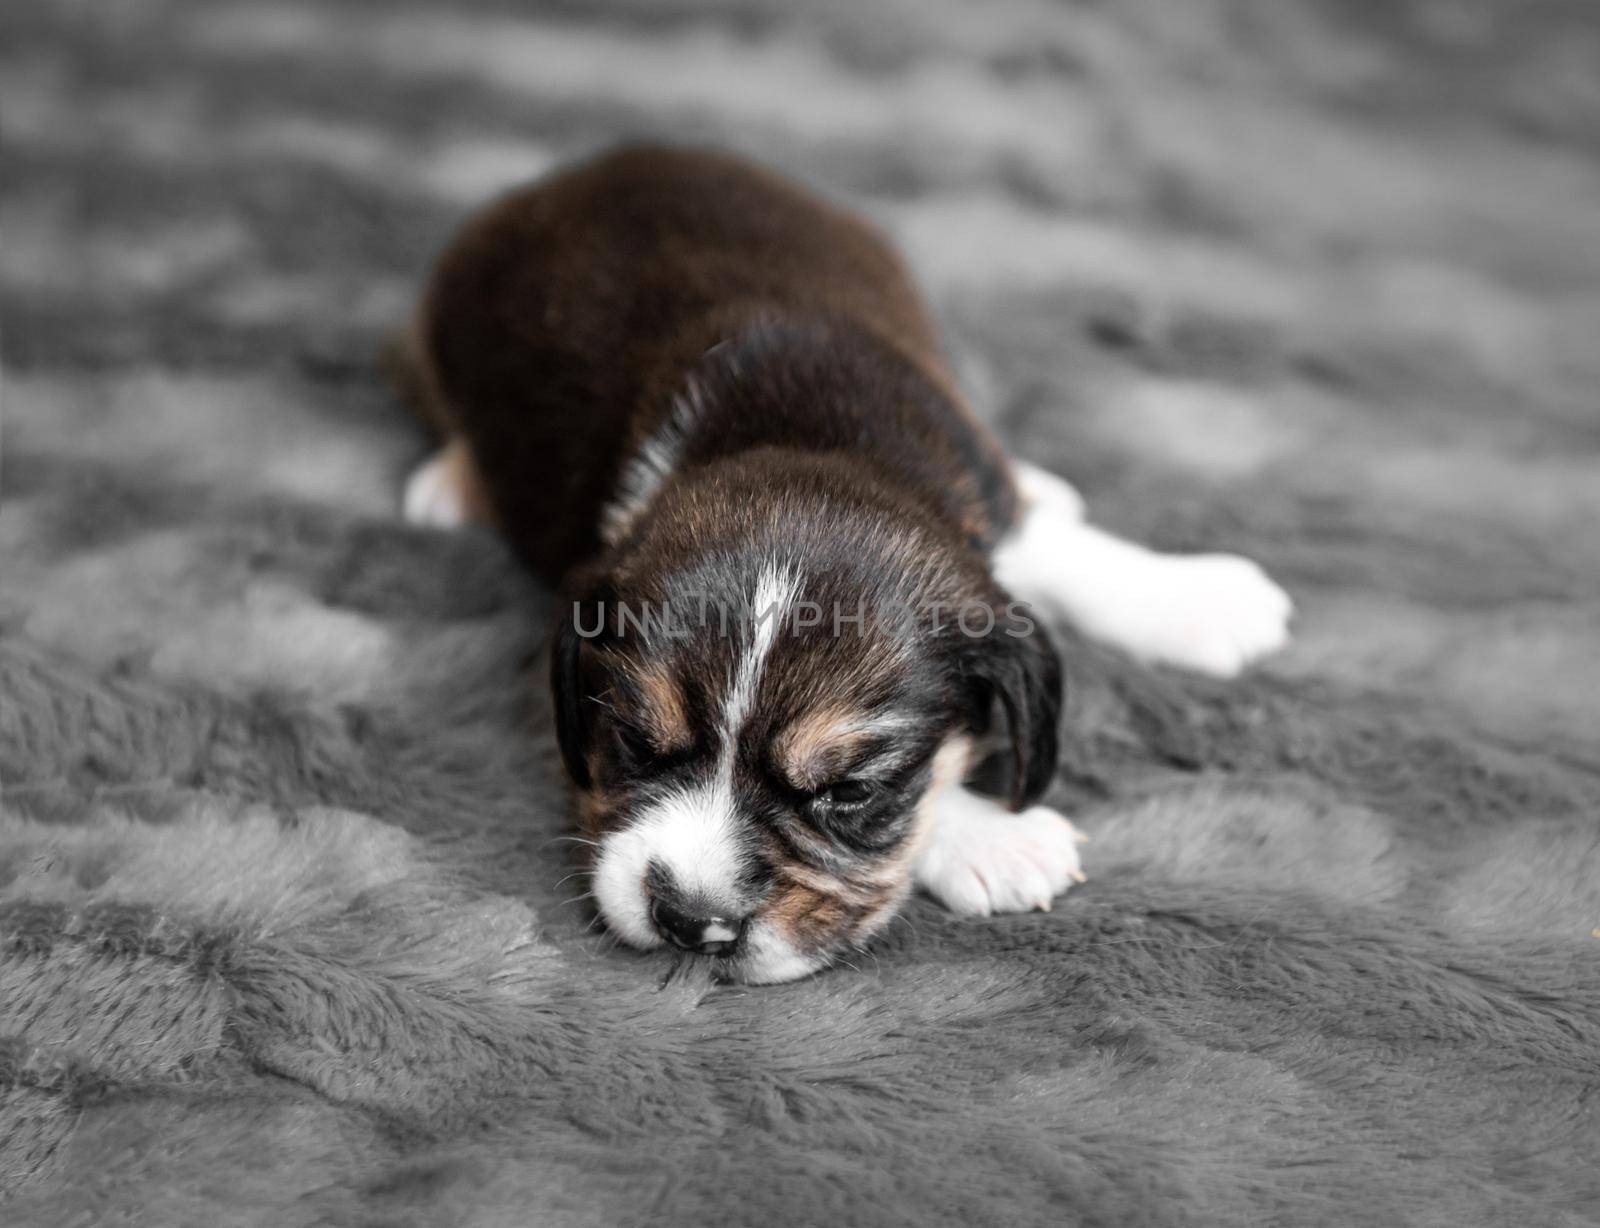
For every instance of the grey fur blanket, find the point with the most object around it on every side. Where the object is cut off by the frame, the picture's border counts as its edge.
(287, 935)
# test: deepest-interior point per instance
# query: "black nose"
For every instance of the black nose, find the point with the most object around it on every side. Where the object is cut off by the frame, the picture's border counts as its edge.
(694, 929)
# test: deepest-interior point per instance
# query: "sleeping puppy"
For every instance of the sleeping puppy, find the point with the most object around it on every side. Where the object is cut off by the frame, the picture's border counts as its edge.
(797, 573)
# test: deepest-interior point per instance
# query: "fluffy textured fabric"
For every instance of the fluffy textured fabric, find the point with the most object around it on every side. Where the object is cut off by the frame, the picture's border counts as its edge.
(287, 931)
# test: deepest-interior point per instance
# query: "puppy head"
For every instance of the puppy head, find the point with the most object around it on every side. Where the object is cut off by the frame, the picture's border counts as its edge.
(757, 709)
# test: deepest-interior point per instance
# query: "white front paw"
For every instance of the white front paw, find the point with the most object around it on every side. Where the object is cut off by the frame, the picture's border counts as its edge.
(978, 857)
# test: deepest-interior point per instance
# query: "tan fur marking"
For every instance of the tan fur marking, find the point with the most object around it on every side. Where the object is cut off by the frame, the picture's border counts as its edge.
(950, 766)
(808, 919)
(861, 891)
(596, 810)
(809, 748)
(661, 709)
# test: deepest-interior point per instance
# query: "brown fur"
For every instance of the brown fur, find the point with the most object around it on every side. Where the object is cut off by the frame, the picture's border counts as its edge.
(562, 322)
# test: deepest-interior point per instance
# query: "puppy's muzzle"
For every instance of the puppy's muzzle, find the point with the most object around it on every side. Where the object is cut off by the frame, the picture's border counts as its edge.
(692, 922)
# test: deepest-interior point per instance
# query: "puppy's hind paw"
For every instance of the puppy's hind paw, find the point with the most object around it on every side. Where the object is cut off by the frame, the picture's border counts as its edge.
(980, 858)
(433, 496)
(1212, 613)
(1220, 613)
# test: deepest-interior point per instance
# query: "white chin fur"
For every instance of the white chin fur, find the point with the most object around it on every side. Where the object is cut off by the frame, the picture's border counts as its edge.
(769, 959)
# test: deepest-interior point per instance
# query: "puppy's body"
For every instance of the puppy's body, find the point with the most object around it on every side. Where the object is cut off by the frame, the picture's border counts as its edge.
(674, 380)
(588, 328)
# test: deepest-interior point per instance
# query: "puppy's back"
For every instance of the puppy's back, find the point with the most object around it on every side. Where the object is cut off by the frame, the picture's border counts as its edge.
(561, 321)
(626, 250)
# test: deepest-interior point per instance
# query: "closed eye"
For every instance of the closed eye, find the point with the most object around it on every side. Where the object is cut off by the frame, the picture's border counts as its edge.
(636, 748)
(845, 795)
(853, 812)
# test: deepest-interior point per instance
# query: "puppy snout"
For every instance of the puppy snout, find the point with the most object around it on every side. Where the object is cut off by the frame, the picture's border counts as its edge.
(691, 923)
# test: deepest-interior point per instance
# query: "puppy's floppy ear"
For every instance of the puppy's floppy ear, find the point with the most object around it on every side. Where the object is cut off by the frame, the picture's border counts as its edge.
(1024, 673)
(581, 621)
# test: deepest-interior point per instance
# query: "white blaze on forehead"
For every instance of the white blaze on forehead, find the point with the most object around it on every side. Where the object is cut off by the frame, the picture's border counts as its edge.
(693, 833)
(776, 589)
